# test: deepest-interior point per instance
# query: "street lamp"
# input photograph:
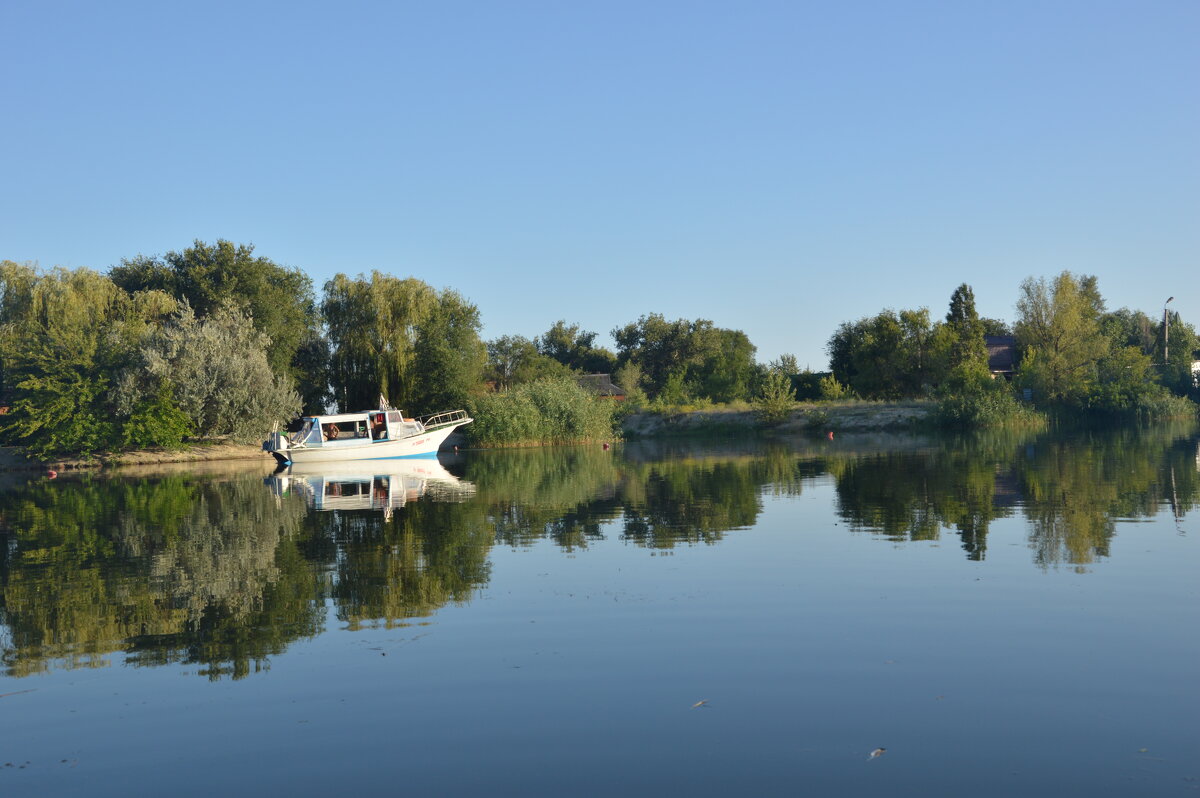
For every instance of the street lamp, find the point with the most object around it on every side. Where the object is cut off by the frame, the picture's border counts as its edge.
(1166, 333)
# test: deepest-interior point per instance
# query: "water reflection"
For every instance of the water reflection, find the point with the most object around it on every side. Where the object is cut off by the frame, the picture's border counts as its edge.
(222, 572)
(382, 485)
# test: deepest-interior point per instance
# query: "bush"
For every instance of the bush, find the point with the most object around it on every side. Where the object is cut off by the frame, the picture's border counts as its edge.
(776, 400)
(547, 411)
(832, 389)
(157, 421)
(991, 407)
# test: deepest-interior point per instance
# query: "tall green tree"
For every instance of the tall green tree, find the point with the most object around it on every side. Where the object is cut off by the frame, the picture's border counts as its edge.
(450, 357)
(967, 359)
(887, 356)
(401, 339)
(576, 349)
(1058, 331)
(215, 369)
(682, 359)
(63, 335)
(279, 299)
(372, 325)
(514, 360)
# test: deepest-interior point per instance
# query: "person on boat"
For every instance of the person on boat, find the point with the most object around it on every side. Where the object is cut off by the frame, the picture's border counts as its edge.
(378, 428)
(331, 432)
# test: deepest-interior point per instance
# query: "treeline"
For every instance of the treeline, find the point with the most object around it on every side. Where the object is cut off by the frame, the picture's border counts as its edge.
(1070, 353)
(215, 341)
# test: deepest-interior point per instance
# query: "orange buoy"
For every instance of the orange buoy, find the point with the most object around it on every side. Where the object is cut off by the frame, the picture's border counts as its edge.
(829, 435)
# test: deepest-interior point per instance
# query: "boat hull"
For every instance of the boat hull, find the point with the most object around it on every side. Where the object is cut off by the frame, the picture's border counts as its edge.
(424, 445)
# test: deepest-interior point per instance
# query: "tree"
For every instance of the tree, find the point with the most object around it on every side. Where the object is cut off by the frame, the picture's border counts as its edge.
(967, 359)
(63, 334)
(886, 356)
(1058, 331)
(216, 371)
(515, 360)
(372, 324)
(682, 359)
(450, 357)
(576, 349)
(401, 339)
(278, 299)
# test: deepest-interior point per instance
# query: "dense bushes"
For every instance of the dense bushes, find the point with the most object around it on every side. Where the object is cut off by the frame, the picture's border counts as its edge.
(990, 407)
(541, 412)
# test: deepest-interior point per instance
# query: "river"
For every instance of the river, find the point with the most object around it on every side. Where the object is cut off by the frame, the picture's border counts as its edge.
(988, 616)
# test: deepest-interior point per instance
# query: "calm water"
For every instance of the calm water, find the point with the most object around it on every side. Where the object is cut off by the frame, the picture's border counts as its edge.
(1005, 616)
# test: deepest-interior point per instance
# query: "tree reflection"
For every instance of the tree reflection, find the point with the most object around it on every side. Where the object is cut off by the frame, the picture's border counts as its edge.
(221, 573)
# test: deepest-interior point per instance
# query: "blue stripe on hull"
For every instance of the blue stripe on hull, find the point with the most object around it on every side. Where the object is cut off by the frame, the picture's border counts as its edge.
(397, 457)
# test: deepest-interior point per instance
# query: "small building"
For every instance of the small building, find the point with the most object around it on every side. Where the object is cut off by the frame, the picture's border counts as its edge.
(1002, 355)
(601, 385)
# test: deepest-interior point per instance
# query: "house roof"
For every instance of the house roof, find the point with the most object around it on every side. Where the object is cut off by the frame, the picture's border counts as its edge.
(601, 384)
(1002, 353)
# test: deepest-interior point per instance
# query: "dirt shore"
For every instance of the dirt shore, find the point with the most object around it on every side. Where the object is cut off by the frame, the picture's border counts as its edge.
(13, 459)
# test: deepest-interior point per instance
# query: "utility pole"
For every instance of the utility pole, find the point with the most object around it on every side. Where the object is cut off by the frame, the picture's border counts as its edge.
(1166, 334)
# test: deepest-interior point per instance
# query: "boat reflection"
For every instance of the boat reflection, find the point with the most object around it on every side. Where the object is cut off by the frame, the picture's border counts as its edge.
(380, 485)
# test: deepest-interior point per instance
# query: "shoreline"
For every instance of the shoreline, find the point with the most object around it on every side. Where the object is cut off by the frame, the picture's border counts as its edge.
(806, 418)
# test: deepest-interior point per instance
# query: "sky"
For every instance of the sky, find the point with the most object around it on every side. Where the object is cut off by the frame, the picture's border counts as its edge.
(774, 167)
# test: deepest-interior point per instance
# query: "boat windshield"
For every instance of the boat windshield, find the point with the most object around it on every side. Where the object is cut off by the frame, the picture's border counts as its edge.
(309, 433)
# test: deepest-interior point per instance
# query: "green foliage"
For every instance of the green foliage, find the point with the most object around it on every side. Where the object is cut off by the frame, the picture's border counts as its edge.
(776, 401)
(629, 378)
(887, 356)
(157, 421)
(684, 360)
(278, 299)
(450, 357)
(992, 406)
(218, 375)
(541, 412)
(403, 340)
(1058, 329)
(966, 362)
(576, 349)
(514, 359)
(831, 389)
(63, 333)
(60, 413)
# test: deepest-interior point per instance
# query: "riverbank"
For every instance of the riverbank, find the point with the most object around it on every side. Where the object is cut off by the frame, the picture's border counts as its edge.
(13, 459)
(807, 417)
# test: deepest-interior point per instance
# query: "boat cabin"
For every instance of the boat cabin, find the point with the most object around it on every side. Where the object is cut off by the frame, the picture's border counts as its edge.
(355, 428)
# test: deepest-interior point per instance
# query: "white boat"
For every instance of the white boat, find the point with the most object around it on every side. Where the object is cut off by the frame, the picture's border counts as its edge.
(367, 435)
(370, 486)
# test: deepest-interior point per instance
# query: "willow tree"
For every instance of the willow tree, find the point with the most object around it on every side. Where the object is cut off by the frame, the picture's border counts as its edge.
(63, 335)
(401, 339)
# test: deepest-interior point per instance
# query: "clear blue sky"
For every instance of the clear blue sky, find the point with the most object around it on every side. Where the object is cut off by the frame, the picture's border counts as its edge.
(776, 167)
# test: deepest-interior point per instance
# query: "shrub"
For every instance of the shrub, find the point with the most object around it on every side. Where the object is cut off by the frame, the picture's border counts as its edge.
(776, 400)
(542, 412)
(832, 389)
(990, 407)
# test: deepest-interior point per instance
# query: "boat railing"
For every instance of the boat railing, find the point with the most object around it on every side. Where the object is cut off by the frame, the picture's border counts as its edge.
(444, 419)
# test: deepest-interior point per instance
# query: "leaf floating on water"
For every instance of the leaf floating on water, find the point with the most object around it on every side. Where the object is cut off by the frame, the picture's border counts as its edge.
(878, 752)
(699, 704)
